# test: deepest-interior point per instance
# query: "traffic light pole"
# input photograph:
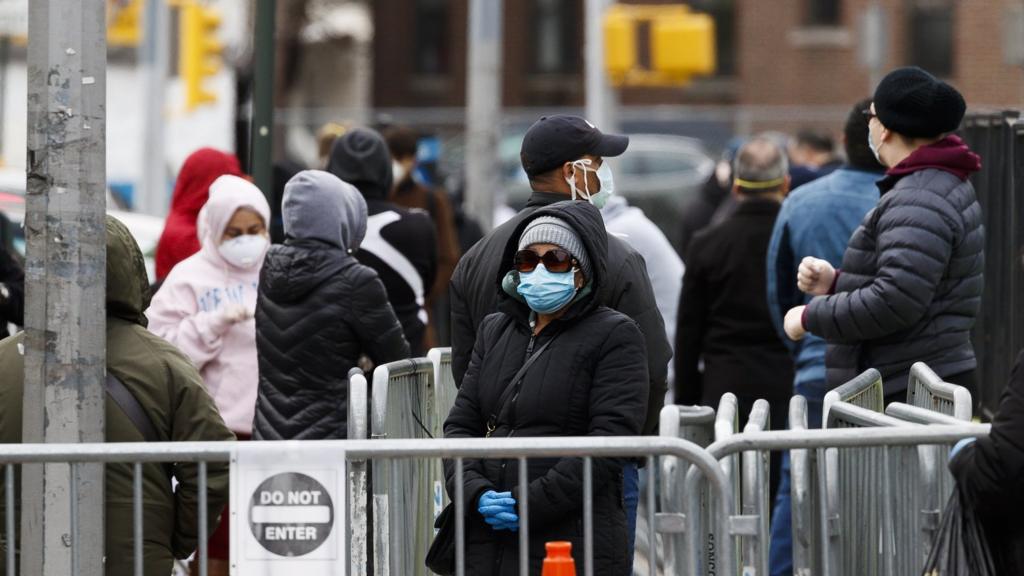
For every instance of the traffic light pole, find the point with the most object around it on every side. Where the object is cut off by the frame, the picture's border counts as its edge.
(600, 98)
(263, 98)
(65, 297)
(155, 57)
(483, 102)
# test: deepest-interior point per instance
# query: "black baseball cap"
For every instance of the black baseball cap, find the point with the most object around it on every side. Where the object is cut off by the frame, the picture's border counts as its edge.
(555, 140)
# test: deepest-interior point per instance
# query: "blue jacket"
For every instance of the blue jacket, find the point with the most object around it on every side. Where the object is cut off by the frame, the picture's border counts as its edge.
(817, 219)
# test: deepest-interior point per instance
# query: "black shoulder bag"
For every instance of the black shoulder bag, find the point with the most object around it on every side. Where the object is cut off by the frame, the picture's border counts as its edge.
(441, 556)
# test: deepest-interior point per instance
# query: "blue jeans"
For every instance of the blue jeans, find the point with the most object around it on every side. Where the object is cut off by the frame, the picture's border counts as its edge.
(631, 495)
(780, 551)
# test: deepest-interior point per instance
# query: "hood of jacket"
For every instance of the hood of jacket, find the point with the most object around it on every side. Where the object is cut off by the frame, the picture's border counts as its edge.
(949, 154)
(319, 206)
(227, 194)
(201, 168)
(127, 284)
(586, 221)
(361, 158)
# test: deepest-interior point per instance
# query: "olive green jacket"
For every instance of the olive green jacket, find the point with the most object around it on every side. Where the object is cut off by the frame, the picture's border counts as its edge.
(169, 389)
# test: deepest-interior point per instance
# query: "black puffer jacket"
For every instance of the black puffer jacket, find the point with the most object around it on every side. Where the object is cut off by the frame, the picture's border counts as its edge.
(318, 311)
(591, 381)
(626, 289)
(990, 473)
(911, 280)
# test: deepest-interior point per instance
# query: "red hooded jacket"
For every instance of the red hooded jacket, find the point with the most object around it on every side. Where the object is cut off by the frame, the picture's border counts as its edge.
(180, 239)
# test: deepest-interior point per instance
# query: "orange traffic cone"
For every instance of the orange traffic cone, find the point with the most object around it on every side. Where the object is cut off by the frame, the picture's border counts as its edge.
(559, 560)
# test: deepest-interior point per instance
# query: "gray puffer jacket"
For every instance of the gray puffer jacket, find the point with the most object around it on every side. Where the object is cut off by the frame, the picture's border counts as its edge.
(911, 280)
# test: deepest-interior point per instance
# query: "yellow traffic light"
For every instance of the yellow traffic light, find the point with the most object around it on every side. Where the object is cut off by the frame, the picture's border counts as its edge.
(619, 43)
(682, 44)
(200, 51)
(124, 23)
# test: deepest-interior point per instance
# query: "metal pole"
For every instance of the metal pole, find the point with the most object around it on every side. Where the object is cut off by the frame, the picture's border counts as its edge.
(155, 57)
(483, 100)
(5, 44)
(874, 45)
(600, 99)
(263, 98)
(65, 277)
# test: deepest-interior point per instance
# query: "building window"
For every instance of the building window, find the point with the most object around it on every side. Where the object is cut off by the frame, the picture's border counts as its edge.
(431, 45)
(557, 42)
(723, 12)
(931, 36)
(823, 13)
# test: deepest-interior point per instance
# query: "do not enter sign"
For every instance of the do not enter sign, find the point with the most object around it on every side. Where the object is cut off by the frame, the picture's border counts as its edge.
(288, 509)
(291, 514)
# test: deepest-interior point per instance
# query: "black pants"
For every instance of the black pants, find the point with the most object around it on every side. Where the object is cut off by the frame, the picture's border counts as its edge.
(967, 379)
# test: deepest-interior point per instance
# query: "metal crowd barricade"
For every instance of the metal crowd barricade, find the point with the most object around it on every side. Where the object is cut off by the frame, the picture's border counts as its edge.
(695, 424)
(440, 402)
(755, 497)
(404, 501)
(358, 429)
(375, 451)
(804, 498)
(926, 390)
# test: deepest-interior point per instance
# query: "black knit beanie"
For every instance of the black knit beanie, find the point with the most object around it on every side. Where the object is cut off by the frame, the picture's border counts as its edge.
(914, 103)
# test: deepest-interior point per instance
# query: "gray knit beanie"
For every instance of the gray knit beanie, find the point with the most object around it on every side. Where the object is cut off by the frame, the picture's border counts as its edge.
(554, 230)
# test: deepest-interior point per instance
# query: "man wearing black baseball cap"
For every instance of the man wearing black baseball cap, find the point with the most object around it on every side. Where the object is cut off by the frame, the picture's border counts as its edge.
(911, 280)
(564, 159)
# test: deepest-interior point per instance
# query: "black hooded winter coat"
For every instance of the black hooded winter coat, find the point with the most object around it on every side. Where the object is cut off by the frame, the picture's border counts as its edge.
(912, 275)
(591, 381)
(627, 289)
(400, 244)
(318, 311)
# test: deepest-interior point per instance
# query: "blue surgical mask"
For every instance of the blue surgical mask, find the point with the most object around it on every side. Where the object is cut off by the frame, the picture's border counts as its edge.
(874, 149)
(547, 292)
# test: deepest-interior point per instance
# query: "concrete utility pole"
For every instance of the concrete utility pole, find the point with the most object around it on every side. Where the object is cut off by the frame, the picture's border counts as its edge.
(65, 277)
(483, 100)
(600, 98)
(874, 45)
(155, 61)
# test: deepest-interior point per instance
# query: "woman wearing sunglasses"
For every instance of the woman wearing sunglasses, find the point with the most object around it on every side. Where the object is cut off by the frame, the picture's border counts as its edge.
(552, 362)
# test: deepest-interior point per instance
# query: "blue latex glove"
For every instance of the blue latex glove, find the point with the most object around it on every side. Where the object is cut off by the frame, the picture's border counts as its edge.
(959, 446)
(498, 510)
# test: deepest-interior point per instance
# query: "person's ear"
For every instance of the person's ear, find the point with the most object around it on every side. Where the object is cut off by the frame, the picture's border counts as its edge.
(579, 279)
(567, 171)
(785, 185)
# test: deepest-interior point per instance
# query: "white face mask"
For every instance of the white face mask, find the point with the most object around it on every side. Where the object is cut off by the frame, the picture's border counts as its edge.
(244, 251)
(398, 171)
(604, 176)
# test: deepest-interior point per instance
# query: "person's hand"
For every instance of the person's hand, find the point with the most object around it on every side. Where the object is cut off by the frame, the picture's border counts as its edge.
(235, 313)
(794, 324)
(499, 510)
(815, 276)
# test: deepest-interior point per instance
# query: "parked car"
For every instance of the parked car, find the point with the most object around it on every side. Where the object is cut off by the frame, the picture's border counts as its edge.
(146, 229)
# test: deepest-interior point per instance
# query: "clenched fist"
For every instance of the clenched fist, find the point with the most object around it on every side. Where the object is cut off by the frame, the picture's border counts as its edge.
(815, 276)
(794, 324)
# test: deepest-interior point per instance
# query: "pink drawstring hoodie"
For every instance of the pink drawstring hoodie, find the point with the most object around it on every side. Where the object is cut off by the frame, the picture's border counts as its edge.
(188, 310)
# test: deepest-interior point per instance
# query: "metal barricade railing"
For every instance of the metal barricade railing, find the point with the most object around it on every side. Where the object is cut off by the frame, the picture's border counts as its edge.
(375, 451)
(358, 429)
(695, 424)
(441, 400)
(804, 499)
(754, 497)
(865, 391)
(880, 437)
(404, 491)
(926, 390)
(727, 425)
(873, 495)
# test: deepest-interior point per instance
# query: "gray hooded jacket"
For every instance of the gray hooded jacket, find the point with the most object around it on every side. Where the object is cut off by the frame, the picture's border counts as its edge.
(319, 310)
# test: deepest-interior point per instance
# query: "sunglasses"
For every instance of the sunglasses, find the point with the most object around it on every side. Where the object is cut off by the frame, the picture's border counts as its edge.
(556, 261)
(868, 114)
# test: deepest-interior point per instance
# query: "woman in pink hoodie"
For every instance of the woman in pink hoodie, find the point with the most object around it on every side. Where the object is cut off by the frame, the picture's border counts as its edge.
(206, 306)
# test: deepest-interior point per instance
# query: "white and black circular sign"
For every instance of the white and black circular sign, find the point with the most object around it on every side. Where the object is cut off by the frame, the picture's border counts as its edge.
(291, 514)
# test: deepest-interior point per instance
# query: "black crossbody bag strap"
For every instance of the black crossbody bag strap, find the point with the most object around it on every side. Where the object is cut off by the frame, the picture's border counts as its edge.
(131, 408)
(506, 395)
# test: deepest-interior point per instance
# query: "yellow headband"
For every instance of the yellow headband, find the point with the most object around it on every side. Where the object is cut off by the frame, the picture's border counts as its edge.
(750, 185)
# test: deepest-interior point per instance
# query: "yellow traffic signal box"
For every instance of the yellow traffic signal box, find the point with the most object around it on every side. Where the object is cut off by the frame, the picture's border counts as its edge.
(682, 44)
(124, 23)
(200, 51)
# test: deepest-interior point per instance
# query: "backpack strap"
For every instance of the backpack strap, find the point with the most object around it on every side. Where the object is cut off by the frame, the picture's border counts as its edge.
(131, 407)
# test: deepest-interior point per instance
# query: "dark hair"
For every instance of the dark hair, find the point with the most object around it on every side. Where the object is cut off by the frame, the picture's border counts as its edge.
(402, 141)
(858, 154)
(817, 140)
